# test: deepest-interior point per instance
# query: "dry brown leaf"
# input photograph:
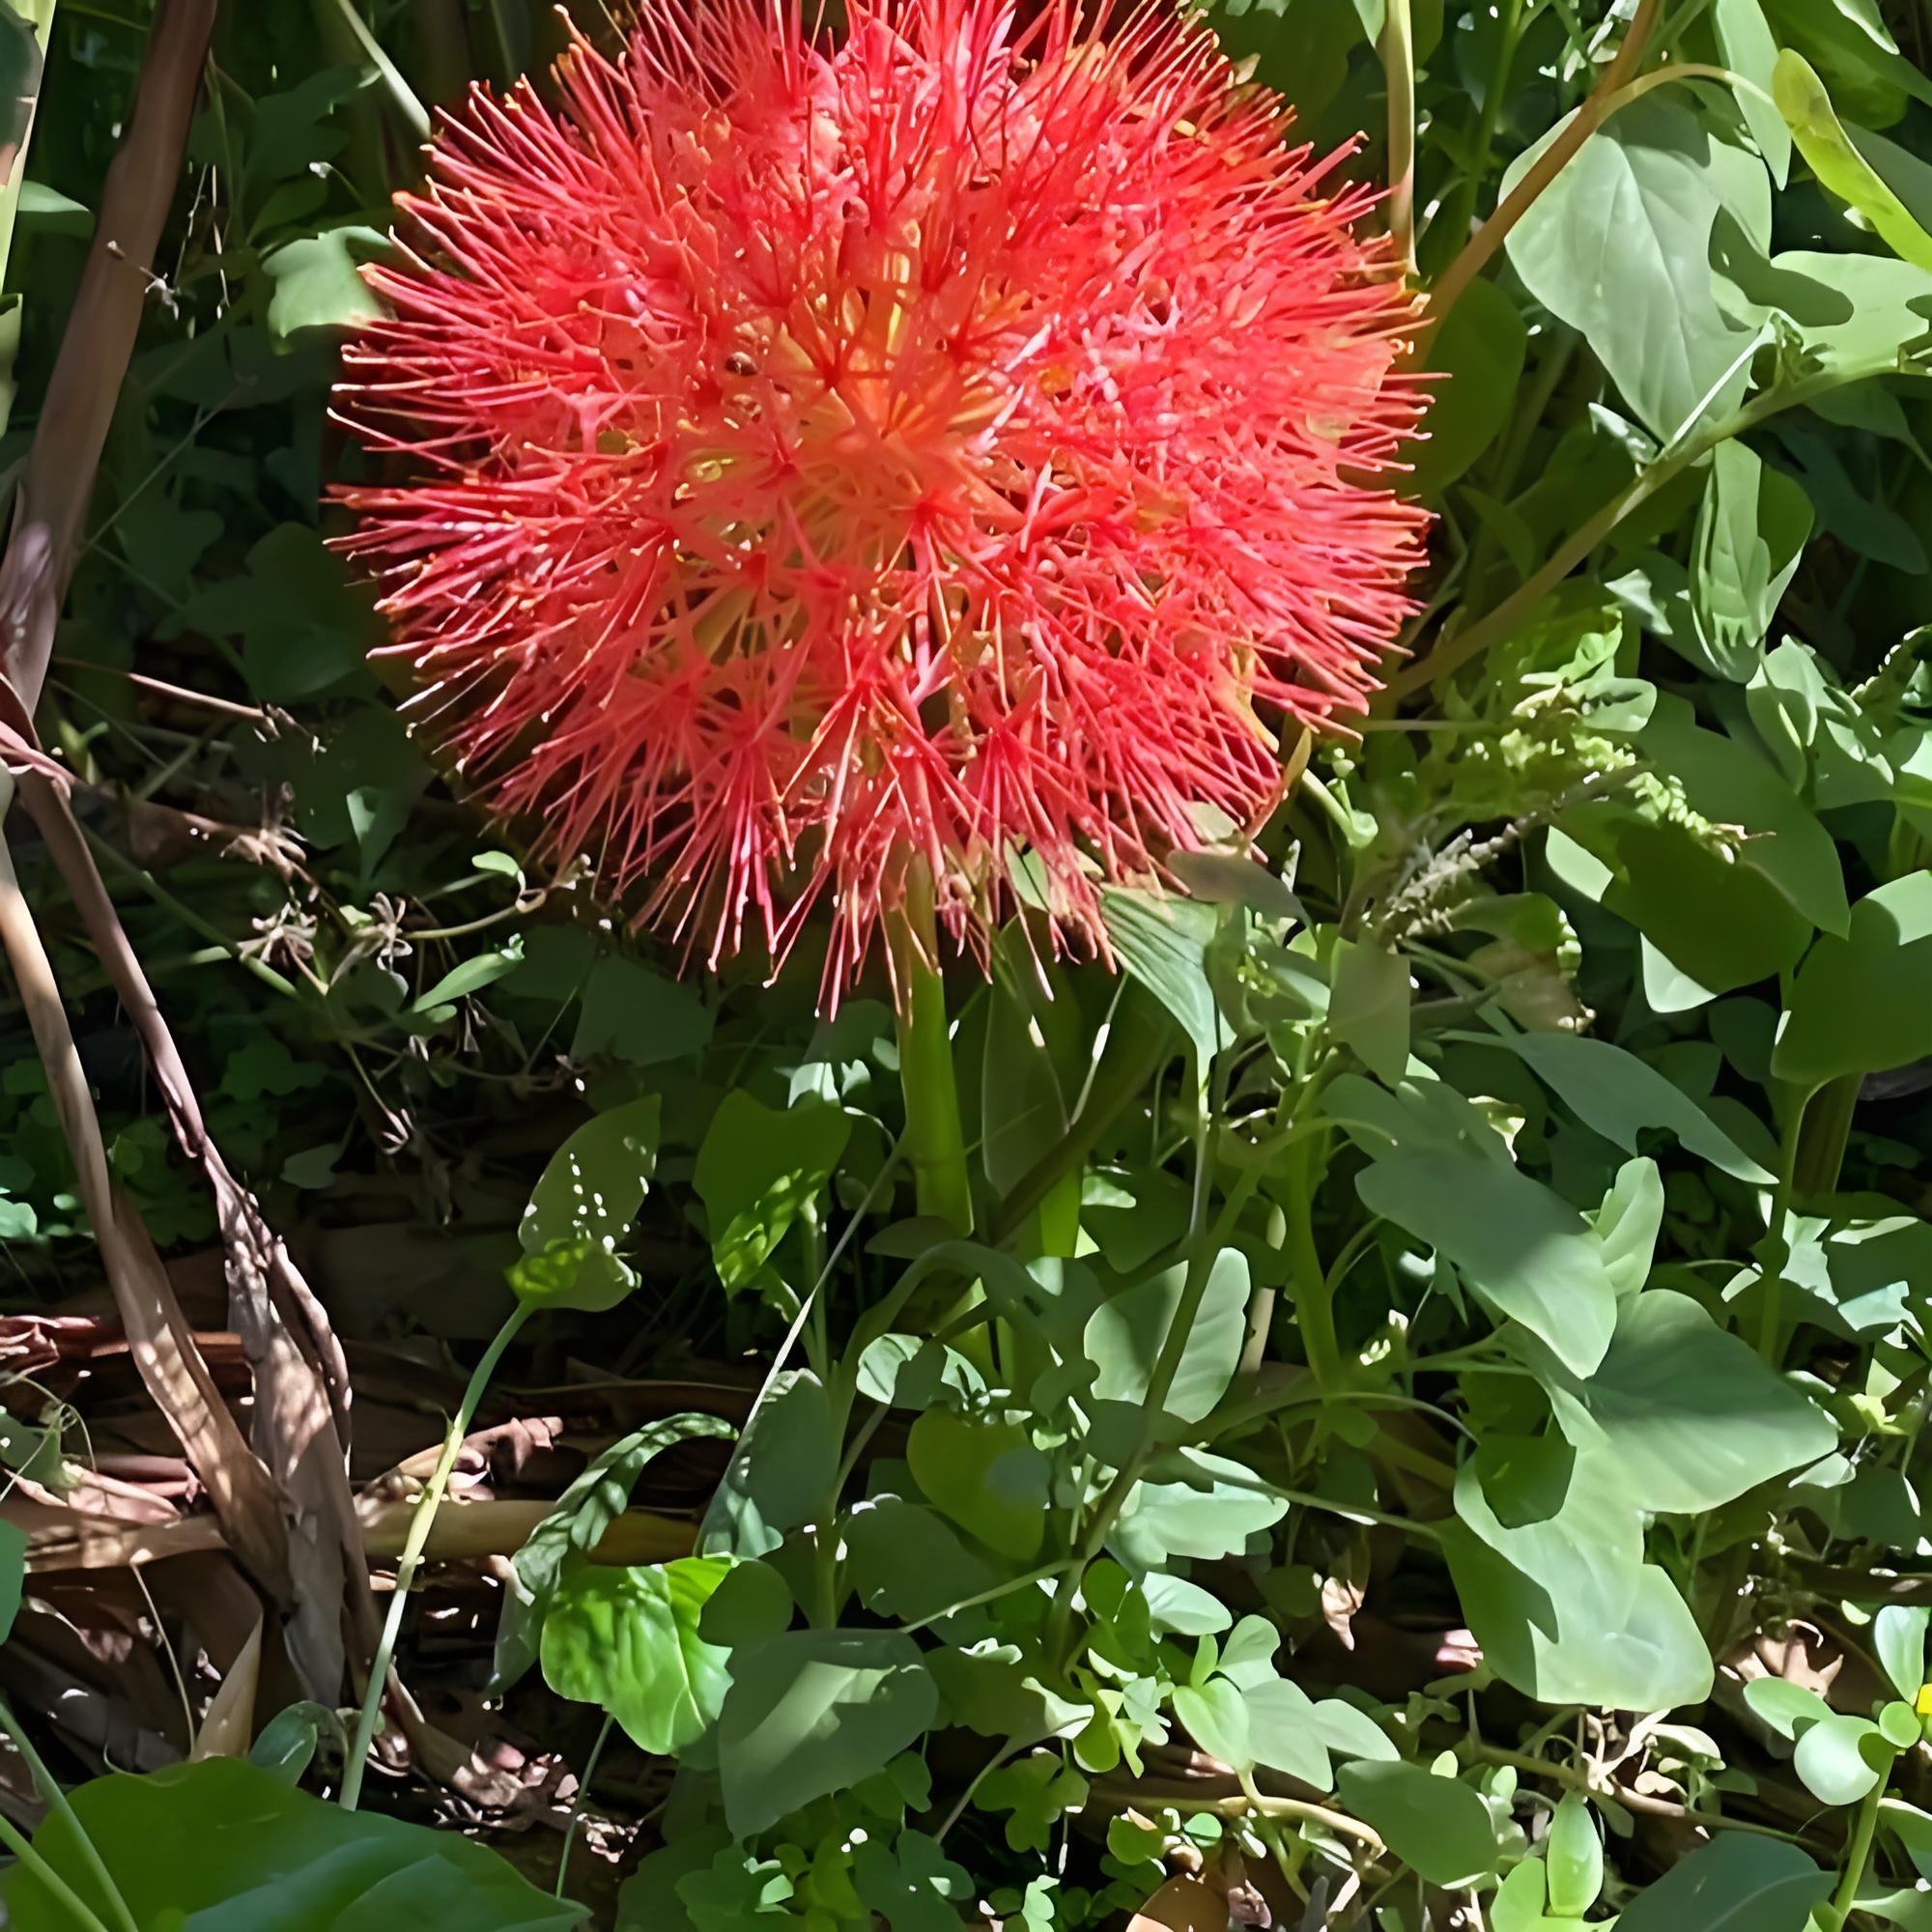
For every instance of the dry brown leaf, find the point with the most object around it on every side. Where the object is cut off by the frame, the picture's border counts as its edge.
(228, 1724)
(1183, 1904)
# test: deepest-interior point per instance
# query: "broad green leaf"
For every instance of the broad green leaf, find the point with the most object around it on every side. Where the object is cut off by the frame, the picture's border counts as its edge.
(1126, 1333)
(780, 1475)
(1192, 1503)
(1347, 1732)
(1750, 49)
(1547, 1553)
(1520, 1246)
(1734, 1884)
(1898, 1637)
(1786, 1707)
(631, 1014)
(1368, 1006)
(1574, 1852)
(1619, 248)
(1519, 1899)
(582, 1273)
(1478, 355)
(1840, 168)
(1215, 1715)
(1840, 1758)
(1622, 1097)
(316, 283)
(223, 1843)
(593, 1186)
(1731, 784)
(1712, 923)
(1859, 1005)
(1628, 1225)
(472, 976)
(286, 1746)
(813, 1711)
(1164, 943)
(759, 1170)
(577, 1523)
(1750, 536)
(909, 1563)
(628, 1640)
(1686, 1412)
(985, 1474)
(1878, 318)
(1438, 1827)
(1284, 1734)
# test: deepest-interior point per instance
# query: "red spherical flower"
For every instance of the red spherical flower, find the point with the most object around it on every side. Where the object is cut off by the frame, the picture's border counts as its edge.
(832, 461)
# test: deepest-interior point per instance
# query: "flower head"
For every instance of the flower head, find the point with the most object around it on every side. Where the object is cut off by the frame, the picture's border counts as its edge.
(826, 460)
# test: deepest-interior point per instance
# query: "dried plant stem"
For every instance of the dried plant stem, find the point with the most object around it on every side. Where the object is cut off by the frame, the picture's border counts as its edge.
(411, 1560)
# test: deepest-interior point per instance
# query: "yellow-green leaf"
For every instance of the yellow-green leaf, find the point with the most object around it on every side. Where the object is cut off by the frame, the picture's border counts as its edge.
(1840, 168)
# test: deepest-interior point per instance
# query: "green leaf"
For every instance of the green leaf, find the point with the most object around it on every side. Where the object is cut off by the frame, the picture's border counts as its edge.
(286, 1745)
(225, 1838)
(1688, 1414)
(628, 1640)
(1628, 1225)
(1164, 943)
(1574, 1852)
(909, 1563)
(1125, 1334)
(1750, 48)
(813, 1711)
(1284, 1735)
(1547, 1554)
(640, 1017)
(1347, 1732)
(782, 1472)
(316, 281)
(581, 1275)
(1834, 1758)
(1786, 1707)
(591, 1188)
(986, 1475)
(1368, 1007)
(1898, 1638)
(1734, 1884)
(1478, 353)
(1731, 784)
(1859, 1005)
(759, 1170)
(1622, 1097)
(1619, 246)
(1829, 152)
(1215, 1715)
(1438, 1827)
(12, 1574)
(1518, 1245)
(472, 976)
(1750, 536)
(1192, 1503)
(575, 1525)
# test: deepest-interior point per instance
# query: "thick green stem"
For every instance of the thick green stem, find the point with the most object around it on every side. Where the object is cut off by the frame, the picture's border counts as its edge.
(935, 1145)
(1778, 1256)
(1399, 70)
(414, 1545)
(1857, 1854)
